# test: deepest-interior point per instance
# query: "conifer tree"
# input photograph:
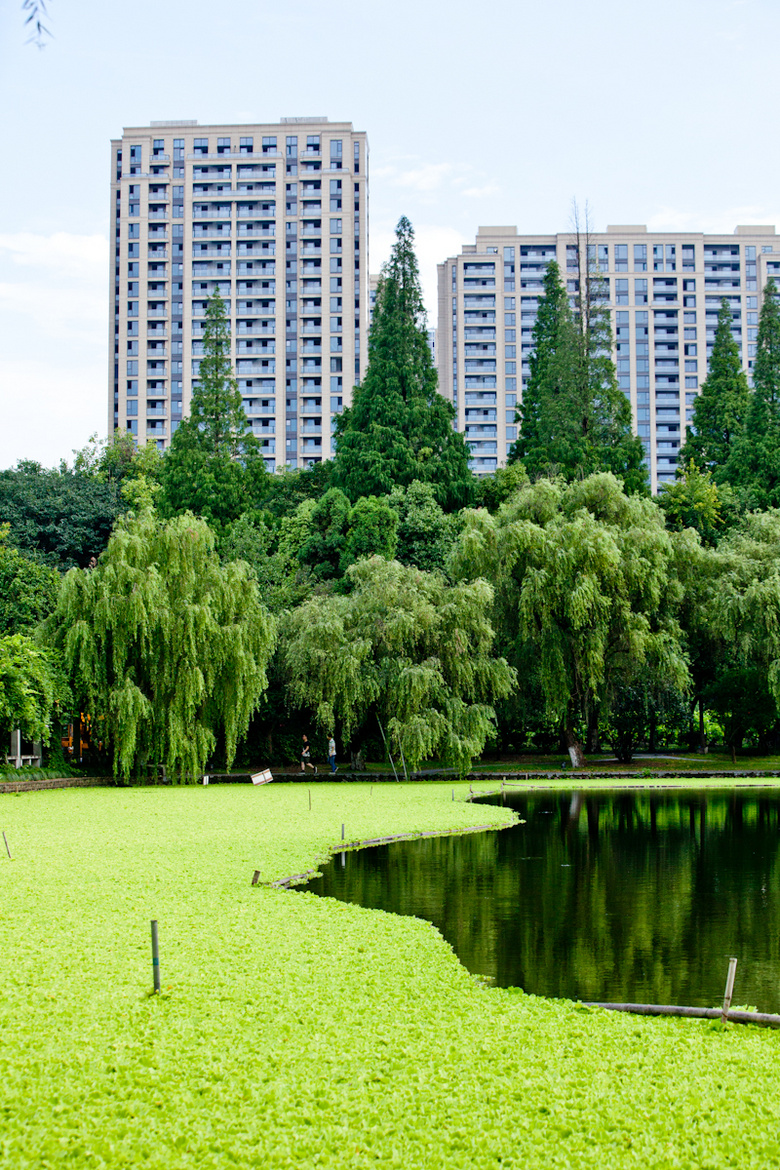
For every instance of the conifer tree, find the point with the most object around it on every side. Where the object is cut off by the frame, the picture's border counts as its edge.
(213, 467)
(754, 462)
(721, 408)
(574, 419)
(399, 428)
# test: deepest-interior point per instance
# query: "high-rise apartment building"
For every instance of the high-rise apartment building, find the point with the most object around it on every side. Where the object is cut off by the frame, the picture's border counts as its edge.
(273, 216)
(664, 292)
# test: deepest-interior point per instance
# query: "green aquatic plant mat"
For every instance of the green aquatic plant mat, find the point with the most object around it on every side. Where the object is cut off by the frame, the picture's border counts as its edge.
(296, 1031)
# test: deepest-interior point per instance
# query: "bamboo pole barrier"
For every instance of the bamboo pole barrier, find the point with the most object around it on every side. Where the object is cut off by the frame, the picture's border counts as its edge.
(762, 1019)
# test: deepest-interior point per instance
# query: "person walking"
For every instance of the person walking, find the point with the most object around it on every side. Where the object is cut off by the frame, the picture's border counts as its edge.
(332, 753)
(306, 756)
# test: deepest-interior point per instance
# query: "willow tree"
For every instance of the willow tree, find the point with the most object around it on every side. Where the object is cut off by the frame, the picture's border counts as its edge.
(27, 687)
(585, 594)
(403, 646)
(165, 645)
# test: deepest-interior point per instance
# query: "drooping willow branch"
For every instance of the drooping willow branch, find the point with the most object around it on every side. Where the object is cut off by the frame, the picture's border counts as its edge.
(36, 10)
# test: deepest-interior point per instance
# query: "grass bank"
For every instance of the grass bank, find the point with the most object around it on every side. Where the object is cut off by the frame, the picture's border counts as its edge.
(298, 1032)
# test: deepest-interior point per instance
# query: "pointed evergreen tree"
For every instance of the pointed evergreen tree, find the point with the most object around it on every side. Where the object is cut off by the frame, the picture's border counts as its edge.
(213, 467)
(754, 463)
(721, 408)
(574, 419)
(399, 428)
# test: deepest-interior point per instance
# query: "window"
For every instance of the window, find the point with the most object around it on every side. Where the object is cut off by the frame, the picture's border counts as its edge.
(158, 146)
(223, 146)
(292, 146)
(509, 255)
(640, 291)
(671, 258)
(178, 150)
(313, 144)
(269, 145)
(135, 154)
(335, 152)
(246, 145)
(357, 158)
(621, 257)
(640, 257)
(621, 291)
(201, 146)
(688, 257)
(335, 227)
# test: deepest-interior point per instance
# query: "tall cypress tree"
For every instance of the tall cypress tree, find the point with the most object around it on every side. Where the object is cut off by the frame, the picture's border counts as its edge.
(574, 419)
(721, 408)
(213, 467)
(754, 463)
(399, 428)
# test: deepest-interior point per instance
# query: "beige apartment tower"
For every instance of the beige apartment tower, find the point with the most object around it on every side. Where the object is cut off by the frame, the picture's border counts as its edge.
(665, 291)
(274, 217)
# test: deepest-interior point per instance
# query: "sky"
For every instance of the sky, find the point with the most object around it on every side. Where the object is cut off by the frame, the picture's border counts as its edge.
(659, 114)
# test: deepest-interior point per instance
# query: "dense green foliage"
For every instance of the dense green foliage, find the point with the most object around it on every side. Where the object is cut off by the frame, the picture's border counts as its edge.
(164, 645)
(297, 1030)
(407, 647)
(399, 428)
(583, 592)
(721, 407)
(28, 590)
(573, 419)
(27, 688)
(214, 467)
(753, 464)
(61, 516)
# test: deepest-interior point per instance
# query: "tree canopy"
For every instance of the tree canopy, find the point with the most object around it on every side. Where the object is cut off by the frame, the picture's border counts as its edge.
(399, 428)
(165, 645)
(214, 466)
(721, 406)
(584, 591)
(405, 647)
(573, 418)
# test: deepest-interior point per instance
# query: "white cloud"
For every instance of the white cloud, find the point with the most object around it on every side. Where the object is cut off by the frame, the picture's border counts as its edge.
(49, 410)
(717, 221)
(81, 256)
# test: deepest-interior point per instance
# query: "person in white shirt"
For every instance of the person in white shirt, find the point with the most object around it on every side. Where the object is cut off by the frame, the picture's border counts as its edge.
(332, 753)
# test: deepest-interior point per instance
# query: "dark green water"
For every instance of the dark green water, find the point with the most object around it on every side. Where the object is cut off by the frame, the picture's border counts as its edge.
(618, 896)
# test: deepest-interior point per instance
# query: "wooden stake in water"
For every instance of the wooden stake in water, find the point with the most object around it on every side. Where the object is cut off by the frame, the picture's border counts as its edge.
(342, 832)
(155, 956)
(255, 877)
(729, 989)
(8, 851)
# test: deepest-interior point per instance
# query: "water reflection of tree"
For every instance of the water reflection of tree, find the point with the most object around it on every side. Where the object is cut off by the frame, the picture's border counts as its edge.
(634, 896)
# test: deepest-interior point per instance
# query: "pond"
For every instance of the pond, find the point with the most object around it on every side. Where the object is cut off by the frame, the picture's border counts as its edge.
(616, 896)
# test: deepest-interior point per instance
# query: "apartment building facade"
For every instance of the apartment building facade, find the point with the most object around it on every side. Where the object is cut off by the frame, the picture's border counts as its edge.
(273, 216)
(664, 292)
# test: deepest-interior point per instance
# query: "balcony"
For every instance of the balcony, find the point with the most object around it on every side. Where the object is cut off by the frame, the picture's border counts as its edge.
(267, 248)
(217, 230)
(256, 330)
(310, 429)
(156, 412)
(210, 270)
(256, 229)
(221, 212)
(161, 312)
